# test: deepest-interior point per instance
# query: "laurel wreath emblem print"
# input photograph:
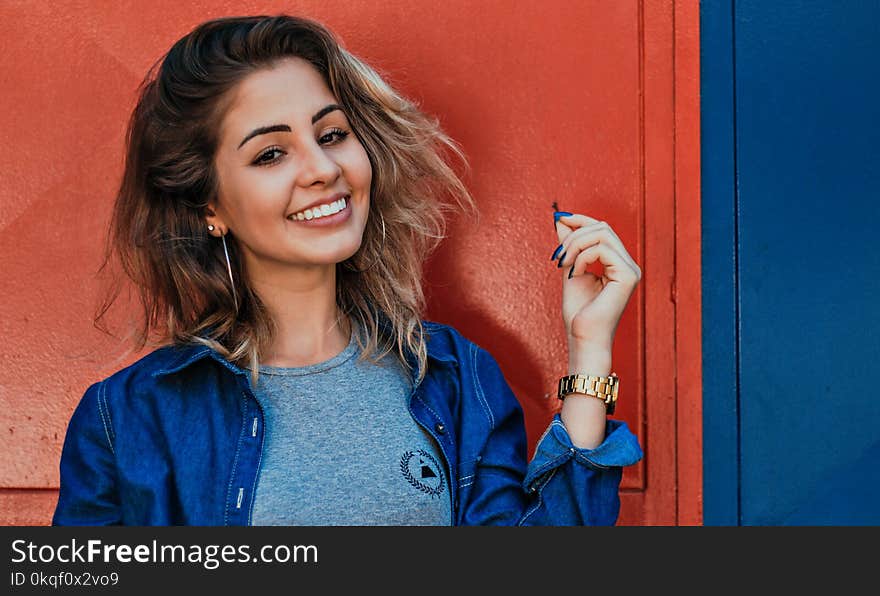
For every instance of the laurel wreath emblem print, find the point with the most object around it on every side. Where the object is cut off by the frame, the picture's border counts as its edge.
(426, 476)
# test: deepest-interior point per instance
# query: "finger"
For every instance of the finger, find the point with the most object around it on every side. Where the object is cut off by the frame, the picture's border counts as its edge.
(616, 268)
(562, 231)
(578, 221)
(580, 239)
(569, 244)
(568, 223)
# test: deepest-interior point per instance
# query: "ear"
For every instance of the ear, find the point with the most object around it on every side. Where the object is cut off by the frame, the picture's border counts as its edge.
(211, 218)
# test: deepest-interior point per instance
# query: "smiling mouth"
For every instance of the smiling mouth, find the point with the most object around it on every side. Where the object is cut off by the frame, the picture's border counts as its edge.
(319, 211)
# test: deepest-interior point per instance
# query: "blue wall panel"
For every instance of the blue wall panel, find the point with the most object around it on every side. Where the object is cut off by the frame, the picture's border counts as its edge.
(808, 173)
(806, 122)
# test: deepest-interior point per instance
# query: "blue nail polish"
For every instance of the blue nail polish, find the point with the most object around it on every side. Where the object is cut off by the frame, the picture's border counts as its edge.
(570, 271)
(558, 214)
(556, 252)
(562, 258)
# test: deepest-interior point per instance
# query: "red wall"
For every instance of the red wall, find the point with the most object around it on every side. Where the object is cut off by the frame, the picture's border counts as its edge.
(591, 104)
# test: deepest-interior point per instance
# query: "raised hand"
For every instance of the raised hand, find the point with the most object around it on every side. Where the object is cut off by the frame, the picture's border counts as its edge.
(592, 305)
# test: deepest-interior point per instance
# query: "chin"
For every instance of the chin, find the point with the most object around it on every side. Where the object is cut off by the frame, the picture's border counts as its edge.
(349, 253)
(341, 247)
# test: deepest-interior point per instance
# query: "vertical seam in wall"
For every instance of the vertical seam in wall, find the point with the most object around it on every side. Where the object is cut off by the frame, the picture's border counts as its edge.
(736, 268)
(675, 273)
(642, 203)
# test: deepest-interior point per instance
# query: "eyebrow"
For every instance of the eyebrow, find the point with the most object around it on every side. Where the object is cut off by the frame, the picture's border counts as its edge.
(284, 127)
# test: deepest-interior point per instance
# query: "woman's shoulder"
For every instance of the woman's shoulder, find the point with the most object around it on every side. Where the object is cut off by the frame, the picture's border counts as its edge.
(131, 386)
(145, 369)
(486, 382)
(446, 342)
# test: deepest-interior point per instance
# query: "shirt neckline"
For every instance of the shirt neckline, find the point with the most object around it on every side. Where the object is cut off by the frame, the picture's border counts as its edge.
(310, 369)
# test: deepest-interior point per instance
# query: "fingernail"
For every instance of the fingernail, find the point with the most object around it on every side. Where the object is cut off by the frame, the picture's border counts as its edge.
(556, 252)
(558, 214)
(562, 258)
(570, 271)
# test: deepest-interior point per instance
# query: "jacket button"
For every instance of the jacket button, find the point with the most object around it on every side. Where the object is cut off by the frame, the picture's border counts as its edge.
(440, 428)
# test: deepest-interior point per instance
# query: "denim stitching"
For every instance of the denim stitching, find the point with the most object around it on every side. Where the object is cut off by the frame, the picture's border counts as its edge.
(235, 463)
(432, 325)
(462, 479)
(452, 486)
(177, 367)
(588, 460)
(103, 396)
(254, 487)
(424, 403)
(553, 463)
(103, 420)
(479, 388)
(437, 416)
(539, 501)
(578, 455)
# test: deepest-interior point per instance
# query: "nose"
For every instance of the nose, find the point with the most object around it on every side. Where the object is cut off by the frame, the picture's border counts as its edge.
(317, 166)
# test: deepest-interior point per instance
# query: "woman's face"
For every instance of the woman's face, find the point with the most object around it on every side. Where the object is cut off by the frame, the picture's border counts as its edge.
(285, 157)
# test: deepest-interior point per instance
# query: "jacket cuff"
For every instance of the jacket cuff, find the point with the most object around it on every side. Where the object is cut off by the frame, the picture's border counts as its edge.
(619, 448)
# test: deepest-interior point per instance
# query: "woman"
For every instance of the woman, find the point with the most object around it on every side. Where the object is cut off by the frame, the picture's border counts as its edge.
(277, 202)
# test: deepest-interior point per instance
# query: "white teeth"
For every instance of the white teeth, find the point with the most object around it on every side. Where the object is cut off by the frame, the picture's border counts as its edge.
(321, 211)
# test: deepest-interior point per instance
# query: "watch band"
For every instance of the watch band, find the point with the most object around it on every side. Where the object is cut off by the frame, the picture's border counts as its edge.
(604, 388)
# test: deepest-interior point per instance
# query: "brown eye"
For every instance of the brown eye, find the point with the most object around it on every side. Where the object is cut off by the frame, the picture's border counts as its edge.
(261, 159)
(341, 134)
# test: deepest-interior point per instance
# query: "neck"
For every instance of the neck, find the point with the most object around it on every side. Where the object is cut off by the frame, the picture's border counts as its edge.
(302, 303)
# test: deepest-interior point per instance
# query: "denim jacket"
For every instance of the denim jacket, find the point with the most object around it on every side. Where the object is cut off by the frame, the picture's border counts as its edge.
(177, 437)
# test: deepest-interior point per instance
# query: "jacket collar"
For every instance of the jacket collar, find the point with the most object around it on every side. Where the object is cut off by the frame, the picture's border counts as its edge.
(180, 357)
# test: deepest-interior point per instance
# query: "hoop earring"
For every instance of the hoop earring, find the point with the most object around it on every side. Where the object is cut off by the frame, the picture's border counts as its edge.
(229, 269)
(350, 267)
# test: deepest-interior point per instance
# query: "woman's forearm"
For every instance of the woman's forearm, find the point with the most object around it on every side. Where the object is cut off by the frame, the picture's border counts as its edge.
(584, 415)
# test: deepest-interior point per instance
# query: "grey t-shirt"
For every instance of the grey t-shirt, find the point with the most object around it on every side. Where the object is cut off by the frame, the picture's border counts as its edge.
(341, 448)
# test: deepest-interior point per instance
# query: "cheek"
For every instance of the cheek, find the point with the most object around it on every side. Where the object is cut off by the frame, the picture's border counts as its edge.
(243, 192)
(253, 197)
(357, 165)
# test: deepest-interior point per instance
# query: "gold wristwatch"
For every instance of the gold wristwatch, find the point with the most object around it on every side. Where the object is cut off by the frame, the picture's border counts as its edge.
(605, 388)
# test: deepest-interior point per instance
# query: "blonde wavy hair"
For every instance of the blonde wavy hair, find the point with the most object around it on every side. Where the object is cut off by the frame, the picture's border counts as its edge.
(158, 232)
